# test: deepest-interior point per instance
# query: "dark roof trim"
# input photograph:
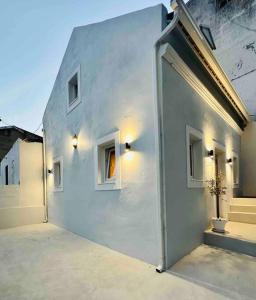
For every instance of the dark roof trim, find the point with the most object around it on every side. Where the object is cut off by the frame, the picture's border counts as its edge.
(28, 136)
(212, 72)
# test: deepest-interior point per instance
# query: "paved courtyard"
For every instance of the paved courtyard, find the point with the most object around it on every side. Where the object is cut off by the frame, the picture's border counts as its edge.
(46, 262)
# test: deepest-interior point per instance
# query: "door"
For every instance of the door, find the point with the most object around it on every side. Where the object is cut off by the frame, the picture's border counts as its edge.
(6, 176)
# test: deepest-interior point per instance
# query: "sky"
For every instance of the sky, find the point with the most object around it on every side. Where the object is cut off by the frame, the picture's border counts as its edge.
(34, 35)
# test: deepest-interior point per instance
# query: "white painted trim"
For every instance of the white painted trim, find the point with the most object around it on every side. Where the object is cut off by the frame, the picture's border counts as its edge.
(178, 64)
(192, 28)
(114, 184)
(192, 182)
(78, 99)
(60, 160)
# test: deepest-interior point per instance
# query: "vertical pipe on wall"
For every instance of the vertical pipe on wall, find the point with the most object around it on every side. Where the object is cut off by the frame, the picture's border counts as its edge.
(161, 201)
(45, 180)
(161, 210)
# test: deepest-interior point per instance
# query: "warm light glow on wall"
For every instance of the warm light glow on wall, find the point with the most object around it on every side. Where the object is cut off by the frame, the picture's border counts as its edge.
(75, 141)
(130, 129)
(132, 160)
(83, 143)
(129, 155)
(209, 145)
(129, 138)
(208, 137)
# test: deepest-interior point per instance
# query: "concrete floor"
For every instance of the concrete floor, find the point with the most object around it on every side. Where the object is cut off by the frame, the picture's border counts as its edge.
(46, 262)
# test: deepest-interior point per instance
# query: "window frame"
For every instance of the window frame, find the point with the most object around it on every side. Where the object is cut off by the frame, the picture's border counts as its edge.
(75, 103)
(60, 187)
(219, 2)
(101, 183)
(193, 182)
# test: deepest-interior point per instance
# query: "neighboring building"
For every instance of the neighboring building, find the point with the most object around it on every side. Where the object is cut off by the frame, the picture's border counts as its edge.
(10, 134)
(233, 25)
(21, 178)
(140, 116)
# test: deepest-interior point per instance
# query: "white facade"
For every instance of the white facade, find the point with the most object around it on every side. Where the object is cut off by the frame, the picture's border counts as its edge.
(139, 82)
(10, 166)
(21, 201)
(116, 95)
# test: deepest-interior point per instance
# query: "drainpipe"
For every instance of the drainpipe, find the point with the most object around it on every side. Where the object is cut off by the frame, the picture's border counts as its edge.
(161, 207)
(45, 180)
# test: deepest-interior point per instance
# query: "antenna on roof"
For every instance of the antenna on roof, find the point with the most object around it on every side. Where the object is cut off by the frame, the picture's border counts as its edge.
(1, 120)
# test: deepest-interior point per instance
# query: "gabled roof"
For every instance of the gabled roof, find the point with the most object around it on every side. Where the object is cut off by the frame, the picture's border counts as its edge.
(10, 134)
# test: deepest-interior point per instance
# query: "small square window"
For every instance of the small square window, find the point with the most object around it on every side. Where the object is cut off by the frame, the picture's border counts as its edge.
(58, 175)
(221, 3)
(107, 163)
(194, 157)
(73, 91)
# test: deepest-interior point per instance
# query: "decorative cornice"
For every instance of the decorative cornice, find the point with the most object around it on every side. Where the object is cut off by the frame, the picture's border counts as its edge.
(179, 65)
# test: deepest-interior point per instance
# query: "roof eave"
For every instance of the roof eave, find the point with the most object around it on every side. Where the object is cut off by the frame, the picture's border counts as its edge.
(191, 27)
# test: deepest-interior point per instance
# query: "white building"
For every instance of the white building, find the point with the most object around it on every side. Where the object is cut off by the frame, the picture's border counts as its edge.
(21, 181)
(140, 115)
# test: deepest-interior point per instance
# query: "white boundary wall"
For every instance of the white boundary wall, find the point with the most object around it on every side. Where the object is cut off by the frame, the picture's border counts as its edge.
(22, 203)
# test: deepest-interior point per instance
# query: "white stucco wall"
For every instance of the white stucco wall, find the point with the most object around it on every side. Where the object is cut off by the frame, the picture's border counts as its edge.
(21, 203)
(117, 93)
(189, 210)
(12, 161)
(248, 155)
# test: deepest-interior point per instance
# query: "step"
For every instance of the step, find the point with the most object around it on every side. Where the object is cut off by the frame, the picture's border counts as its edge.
(242, 217)
(243, 201)
(229, 242)
(243, 208)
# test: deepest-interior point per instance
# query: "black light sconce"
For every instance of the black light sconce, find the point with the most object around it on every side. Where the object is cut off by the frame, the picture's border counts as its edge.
(49, 171)
(210, 153)
(229, 160)
(75, 141)
(127, 147)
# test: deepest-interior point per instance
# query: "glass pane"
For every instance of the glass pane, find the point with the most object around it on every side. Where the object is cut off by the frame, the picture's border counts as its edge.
(57, 179)
(110, 162)
(73, 89)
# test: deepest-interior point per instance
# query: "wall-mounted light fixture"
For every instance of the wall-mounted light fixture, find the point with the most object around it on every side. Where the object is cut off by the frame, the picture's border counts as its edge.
(49, 171)
(211, 153)
(75, 141)
(229, 160)
(127, 147)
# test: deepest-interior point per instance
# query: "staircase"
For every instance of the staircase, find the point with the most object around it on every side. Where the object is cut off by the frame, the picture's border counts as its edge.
(240, 235)
(243, 210)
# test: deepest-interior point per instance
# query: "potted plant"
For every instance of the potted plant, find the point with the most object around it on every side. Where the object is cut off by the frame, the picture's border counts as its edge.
(217, 189)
